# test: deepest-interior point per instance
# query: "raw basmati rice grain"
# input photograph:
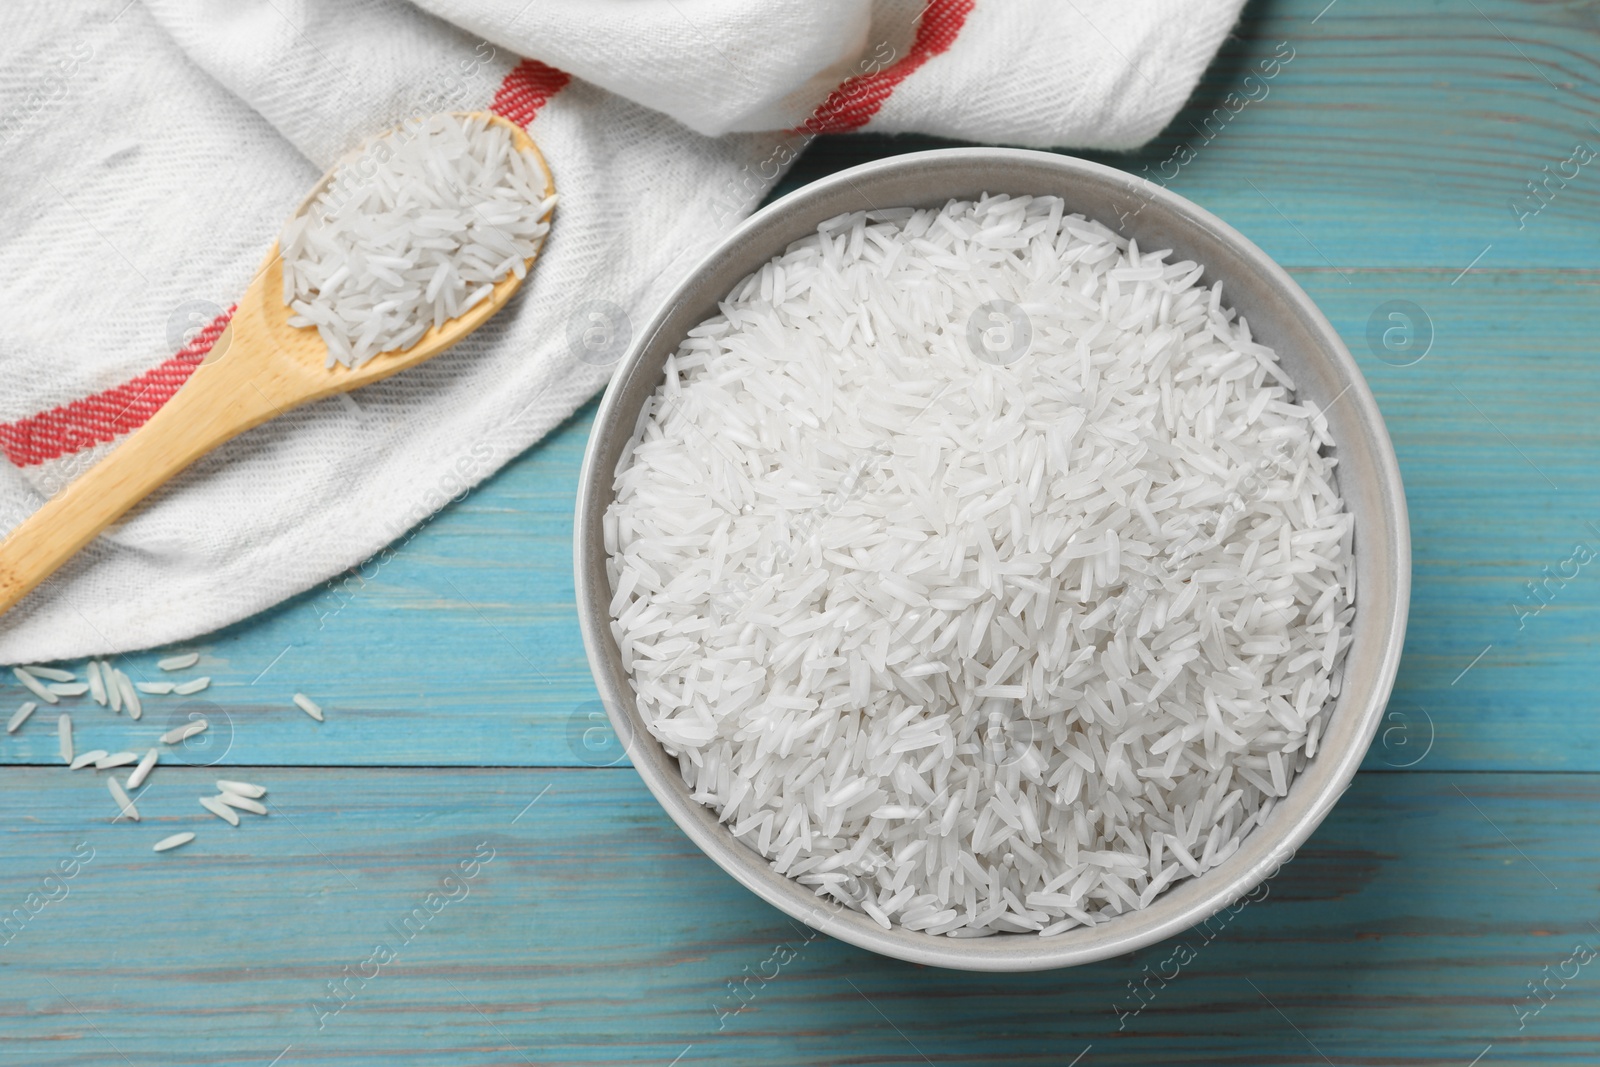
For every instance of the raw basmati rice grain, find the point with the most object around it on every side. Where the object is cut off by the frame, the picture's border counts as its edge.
(20, 716)
(122, 800)
(38, 688)
(448, 207)
(980, 570)
(130, 696)
(157, 689)
(51, 674)
(97, 684)
(175, 841)
(216, 807)
(233, 800)
(115, 759)
(184, 732)
(141, 772)
(240, 789)
(69, 689)
(309, 706)
(64, 736)
(83, 759)
(190, 688)
(182, 661)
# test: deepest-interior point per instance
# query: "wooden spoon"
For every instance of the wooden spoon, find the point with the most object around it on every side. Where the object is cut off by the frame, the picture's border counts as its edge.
(259, 368)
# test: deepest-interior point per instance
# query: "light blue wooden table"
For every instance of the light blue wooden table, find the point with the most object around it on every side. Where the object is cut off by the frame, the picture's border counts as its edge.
(1382, 163)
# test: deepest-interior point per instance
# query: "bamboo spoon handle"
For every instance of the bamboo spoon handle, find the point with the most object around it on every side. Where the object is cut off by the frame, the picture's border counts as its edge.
(221, 400)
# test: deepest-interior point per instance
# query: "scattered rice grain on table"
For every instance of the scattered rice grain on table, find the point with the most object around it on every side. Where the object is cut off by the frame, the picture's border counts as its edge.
(221, 810)
(38, 688)
(184, 732)
(20, 716)
(233, 800)
(130, 696)
(111, 687)
(142, 771)
(122, 800)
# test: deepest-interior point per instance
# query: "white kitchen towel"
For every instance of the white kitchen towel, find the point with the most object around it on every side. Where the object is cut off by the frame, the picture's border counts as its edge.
(153, 149)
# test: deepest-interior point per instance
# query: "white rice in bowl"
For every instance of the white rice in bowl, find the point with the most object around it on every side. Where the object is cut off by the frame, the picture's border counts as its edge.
(979, 569)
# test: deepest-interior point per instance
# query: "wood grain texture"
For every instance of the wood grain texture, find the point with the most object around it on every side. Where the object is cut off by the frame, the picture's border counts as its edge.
(1404, 932)
(1378, 164)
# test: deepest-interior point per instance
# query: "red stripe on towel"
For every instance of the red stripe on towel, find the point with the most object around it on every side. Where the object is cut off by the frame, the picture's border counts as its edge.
(106, 415)
(856, 100)
(528, 87)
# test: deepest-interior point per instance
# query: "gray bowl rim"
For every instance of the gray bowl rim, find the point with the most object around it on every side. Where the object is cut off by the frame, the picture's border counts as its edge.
(1356, 714)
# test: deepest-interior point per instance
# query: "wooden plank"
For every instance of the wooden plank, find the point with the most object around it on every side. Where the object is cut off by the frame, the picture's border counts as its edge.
(463, 648)
(1381, 161)
(1407, 931)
